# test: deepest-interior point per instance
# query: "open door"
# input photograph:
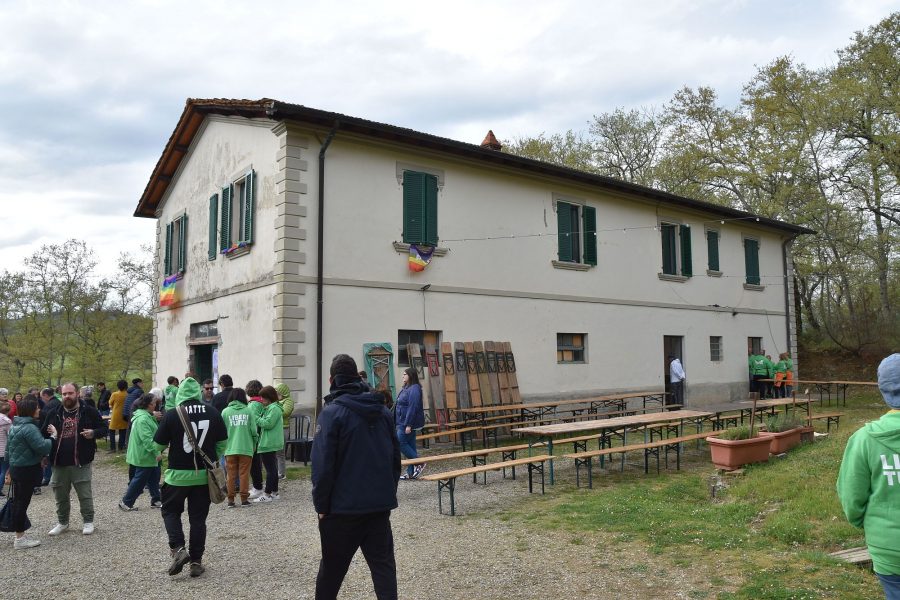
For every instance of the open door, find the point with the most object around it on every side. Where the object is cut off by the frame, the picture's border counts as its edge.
(672, 346)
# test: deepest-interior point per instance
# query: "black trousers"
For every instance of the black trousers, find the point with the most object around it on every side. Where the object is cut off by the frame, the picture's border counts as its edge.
(173, 498)
(341, 536)
(270, 461)
(24, 480)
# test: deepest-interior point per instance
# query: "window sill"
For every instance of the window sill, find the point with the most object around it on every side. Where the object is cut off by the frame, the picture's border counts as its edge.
(571, 266)
(711, 273)
(675, 278)
(754, 287)
(178, 275)
(572, 362)
(403, 248)
(237, 252)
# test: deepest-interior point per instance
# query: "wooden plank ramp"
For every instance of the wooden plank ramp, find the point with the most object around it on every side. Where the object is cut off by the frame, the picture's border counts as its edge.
(856, 556)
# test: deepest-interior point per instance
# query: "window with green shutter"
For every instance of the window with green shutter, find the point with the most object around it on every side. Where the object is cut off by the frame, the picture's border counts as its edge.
(576, 229)
(167, 263)
(181, 224)
(712, 249)
(687, 264)
(676, 249)
(225, 230)
(669, 250)
(175, 246)
(237, 213)
(420, 209)
(213, 250)
(751, 260)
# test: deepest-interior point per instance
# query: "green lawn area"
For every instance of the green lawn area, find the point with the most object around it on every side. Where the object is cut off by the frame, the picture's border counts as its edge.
(775, 524)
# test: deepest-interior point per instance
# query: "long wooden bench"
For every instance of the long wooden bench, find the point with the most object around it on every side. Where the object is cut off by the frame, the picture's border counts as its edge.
(585, 459)
(478, 457)
(447, 479)
(829, 418)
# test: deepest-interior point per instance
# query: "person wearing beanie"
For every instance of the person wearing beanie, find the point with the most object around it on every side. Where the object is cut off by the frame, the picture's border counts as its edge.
(186, 475)
(868, 483)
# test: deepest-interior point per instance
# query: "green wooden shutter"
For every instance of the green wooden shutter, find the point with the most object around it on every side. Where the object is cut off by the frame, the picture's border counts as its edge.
(589, 232)
(225, 230)
(712, 249)
(249, 201)
(751, 261)
(213, 226)
(167, 264)
(687, 268)
(413, 207)
(564, 229)
(667, 233)
(431, 210)
(182, 243)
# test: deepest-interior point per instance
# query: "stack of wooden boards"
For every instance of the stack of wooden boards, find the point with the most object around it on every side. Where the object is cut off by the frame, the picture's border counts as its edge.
(465, 375)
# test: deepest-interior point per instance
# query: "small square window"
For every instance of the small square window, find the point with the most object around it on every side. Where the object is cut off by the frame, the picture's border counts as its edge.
(715, 348)
(570, 347)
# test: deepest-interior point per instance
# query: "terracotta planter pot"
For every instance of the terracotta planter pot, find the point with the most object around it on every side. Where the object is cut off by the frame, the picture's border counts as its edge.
(807, 434)
(782, 441)
(734, 454)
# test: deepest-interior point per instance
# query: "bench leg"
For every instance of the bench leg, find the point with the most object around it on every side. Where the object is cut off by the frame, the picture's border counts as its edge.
(449, 485)
(508, 455)
(532, 467)
(476, 461)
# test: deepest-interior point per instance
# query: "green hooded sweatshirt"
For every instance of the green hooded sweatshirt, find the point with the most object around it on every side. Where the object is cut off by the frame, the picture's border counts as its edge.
(170, 393)
(271, 435)
(241, 425)
(142, 450)
(759, 365)
(286, 402)
(869, 488)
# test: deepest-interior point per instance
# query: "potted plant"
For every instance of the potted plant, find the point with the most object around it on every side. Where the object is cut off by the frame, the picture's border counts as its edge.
(784, 432)
(733, 448)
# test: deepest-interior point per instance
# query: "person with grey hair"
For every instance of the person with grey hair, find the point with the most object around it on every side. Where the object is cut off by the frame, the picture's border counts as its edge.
(86, 393)
(868, 483)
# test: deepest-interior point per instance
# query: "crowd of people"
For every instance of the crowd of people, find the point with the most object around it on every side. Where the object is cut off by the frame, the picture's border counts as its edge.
(771, 379)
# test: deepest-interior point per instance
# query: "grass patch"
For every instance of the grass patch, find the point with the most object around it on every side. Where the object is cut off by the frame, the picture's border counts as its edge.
(775, 524)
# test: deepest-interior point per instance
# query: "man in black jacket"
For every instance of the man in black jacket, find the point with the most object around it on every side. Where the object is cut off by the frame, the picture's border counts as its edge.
(355, 470)
(220, 401)
(78, 425)
(103, 398)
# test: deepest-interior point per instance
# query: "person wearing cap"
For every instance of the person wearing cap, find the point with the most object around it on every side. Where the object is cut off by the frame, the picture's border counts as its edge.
(868, 483)
(186, 476)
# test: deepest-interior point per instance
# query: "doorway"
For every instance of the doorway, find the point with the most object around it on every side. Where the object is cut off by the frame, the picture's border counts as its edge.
(672, 346)
(203, 362)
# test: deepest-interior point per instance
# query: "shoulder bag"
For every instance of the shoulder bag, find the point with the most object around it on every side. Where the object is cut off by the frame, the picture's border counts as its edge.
(215, 474)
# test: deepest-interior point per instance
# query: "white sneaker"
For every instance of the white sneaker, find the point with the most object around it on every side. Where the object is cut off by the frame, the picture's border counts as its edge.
(255, 493)
(25, 542)
(274, 496)
(264, 498)
(58, 529)
(88, 529)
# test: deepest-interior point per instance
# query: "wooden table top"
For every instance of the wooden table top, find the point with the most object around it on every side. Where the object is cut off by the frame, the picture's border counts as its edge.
(818, 382)
(613, 423)
(549, 403)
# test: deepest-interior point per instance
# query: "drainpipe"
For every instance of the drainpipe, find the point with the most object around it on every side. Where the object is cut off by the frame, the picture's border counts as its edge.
(320, 272)
(787, 300)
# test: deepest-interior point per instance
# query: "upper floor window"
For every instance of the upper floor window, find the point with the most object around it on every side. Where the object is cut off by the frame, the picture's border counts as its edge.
(176, 246)
(676, 249)
(237, 212)
(577, 233)
(712, 249)
(751, 260)
(420, 218)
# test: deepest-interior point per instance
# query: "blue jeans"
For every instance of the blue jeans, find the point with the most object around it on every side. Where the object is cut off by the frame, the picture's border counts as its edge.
(891, 585)
(143, 476)
(408, 446)
(4, 467)
(48, 473)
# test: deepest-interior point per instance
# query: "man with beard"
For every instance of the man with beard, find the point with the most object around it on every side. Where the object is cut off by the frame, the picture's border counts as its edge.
(78, 425)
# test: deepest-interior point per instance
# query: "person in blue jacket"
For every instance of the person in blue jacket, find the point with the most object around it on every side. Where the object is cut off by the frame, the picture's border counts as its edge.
(409, 416)
(355, 469)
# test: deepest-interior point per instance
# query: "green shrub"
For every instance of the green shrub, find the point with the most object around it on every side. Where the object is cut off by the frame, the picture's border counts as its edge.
(783, 422)
(737, 433)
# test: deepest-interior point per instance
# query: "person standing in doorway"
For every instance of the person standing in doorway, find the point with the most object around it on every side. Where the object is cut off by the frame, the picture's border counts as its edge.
(79, 425)
(676, 380)
(355, 469)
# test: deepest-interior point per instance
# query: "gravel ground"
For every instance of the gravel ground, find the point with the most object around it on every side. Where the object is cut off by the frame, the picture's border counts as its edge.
(272, 551)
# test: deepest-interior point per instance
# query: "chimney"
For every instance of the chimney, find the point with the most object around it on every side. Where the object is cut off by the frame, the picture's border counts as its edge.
(490, 141)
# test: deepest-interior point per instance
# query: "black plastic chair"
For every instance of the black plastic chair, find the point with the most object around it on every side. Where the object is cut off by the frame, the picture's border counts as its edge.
(299, 440)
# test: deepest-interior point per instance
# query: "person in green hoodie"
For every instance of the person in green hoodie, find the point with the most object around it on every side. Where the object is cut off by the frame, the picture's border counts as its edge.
(868, 483)
(25, 448)
(287, 409)
(170, 392)
(759, 370)
(243, 436)
(271, 439)
(143, 455)
(186, 475)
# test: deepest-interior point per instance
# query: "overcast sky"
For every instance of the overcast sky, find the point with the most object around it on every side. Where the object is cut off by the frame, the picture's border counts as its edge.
(91, 91)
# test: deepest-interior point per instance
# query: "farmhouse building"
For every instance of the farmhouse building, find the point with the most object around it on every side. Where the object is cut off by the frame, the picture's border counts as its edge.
(286, 231)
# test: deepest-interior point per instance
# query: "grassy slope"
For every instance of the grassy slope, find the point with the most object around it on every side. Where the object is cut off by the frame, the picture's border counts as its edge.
(775, 524)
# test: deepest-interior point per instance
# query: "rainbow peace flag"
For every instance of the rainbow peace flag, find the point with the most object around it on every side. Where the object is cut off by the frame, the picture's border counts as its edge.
(167, 293)
(419, 257)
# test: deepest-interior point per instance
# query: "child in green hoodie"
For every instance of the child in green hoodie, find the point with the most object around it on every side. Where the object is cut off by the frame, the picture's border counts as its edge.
(271, 439)
(240, 422)
(869, 481)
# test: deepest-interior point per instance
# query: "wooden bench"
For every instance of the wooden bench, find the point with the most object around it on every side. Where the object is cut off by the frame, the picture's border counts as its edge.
(478, 457)
(829, 418)
(583, 459)
(447, 480)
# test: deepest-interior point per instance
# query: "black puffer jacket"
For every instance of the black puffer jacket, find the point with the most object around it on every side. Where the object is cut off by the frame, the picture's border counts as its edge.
(88, 418)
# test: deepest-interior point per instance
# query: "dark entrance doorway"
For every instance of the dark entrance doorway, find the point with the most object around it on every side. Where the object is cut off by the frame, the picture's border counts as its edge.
(202, 363)
(672, 346)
